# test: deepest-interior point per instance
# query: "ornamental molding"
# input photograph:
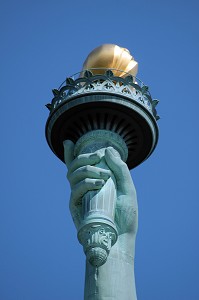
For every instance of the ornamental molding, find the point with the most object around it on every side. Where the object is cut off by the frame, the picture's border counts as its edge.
(97, 240)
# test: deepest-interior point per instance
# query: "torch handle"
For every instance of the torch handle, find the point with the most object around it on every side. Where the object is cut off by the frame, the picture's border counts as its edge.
(97, 232)
(101, 203)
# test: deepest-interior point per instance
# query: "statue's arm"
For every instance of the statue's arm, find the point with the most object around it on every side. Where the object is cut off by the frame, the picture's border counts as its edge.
(115, 279)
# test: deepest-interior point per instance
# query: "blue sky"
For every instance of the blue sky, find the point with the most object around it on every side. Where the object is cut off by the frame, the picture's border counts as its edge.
(42, 43)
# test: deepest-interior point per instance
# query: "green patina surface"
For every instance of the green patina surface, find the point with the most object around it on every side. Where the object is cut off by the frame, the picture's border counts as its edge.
(101, 126)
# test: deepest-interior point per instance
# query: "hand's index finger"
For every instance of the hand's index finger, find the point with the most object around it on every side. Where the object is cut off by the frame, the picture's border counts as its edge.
(88, 171)
(83, 160)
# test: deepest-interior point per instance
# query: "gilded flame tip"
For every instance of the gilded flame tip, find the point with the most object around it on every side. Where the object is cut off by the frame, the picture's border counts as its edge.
(110, 56)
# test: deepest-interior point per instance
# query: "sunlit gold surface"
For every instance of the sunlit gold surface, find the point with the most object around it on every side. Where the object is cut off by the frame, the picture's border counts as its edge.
(110, 56)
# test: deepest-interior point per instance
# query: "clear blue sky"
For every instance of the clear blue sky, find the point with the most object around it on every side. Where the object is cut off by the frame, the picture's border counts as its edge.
(43, 42)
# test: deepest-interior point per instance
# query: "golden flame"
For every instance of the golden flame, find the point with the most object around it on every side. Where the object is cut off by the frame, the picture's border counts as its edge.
(110, 56)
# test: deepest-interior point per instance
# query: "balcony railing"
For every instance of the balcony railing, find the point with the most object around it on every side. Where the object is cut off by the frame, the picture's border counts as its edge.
(100, 80)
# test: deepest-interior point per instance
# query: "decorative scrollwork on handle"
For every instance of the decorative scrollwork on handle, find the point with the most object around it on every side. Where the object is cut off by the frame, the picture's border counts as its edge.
(97, 241)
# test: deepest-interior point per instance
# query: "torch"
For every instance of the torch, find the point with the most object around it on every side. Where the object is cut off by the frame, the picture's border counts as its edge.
(103, 105)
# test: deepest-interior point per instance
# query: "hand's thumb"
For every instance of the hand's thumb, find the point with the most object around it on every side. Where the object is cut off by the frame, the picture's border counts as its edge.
(119, 169)
(114, 161)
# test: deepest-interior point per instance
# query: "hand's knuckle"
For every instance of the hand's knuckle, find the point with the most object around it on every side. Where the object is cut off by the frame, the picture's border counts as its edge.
(86, 181)
(87, 168)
